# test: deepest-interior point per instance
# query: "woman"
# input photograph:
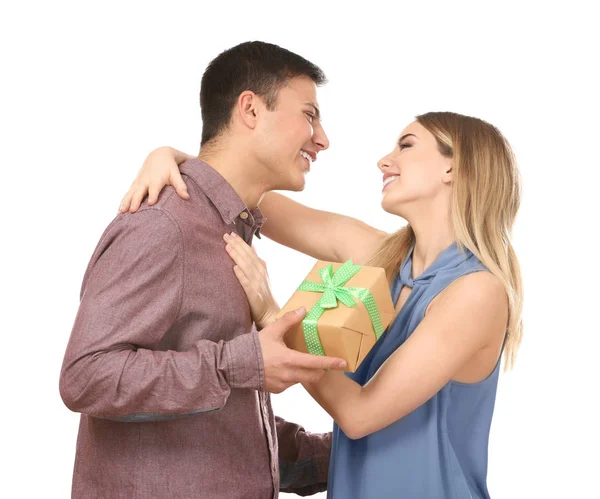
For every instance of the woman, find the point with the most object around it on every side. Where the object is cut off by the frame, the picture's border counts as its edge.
(413, 421)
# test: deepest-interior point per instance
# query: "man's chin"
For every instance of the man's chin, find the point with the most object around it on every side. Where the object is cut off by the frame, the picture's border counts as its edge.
(298, 184)
(295, 184)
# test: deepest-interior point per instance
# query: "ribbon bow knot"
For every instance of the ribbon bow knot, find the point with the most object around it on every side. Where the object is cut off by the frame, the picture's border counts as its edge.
(333, 285)
(333, 289)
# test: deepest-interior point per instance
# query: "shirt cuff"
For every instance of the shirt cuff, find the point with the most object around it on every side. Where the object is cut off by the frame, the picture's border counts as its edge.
(245, 362)
(322, 453)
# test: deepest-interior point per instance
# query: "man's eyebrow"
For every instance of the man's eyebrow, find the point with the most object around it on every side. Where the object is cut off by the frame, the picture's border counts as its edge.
(317, 112)
(407, 135)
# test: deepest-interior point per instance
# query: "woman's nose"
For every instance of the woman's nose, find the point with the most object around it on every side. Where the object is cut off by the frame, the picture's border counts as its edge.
(383, 163)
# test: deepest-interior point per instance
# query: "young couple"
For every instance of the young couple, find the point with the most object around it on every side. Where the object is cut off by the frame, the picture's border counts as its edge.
(175, 347)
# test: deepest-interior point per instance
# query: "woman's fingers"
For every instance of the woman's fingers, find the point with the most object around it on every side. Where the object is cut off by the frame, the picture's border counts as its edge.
(244, 248)
(136, 199)
(263, 263)
(176, 180)
(250, 274)
(153, 193)
(244, 256)
(252, 289)
(248, 252)
(244, 281)
(240, 258)
(125, 202)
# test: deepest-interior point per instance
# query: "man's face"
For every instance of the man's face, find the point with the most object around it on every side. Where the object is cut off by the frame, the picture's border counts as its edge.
(291, 135)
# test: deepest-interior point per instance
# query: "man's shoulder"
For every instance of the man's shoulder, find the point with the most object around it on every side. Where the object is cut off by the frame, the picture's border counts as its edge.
(148, 238)
(152, 222)
(192, 216)
(178, 208)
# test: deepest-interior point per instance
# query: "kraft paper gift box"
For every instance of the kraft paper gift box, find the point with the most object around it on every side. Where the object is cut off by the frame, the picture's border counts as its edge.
(348, 308)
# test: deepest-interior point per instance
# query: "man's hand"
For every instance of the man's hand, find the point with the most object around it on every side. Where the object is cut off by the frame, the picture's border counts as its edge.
(285, 367)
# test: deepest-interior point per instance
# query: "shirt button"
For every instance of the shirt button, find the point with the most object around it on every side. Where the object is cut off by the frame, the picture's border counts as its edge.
(243, 215)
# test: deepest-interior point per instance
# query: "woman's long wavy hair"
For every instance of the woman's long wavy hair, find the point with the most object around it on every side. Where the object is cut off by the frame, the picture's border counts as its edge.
(486, 194)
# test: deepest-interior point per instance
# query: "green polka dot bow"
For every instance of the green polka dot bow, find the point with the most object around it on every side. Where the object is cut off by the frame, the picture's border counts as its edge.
(333, 291)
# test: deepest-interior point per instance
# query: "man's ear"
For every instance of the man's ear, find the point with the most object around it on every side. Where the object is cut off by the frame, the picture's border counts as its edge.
(247, 108)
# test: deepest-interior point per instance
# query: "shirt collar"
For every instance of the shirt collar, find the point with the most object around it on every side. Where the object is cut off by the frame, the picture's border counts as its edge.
(227, 202)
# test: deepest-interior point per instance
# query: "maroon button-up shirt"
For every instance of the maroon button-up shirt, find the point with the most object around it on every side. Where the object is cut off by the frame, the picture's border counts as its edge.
(165, 365)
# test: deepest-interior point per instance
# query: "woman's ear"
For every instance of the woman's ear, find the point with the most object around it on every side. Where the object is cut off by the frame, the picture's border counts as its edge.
(447, 177)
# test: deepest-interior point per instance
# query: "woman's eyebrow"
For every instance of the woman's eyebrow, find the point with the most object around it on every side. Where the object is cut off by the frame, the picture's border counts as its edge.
(407, 135)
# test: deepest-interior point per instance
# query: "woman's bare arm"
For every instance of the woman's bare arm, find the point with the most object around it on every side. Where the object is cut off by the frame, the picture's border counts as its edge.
(471, 315)
(320, 234)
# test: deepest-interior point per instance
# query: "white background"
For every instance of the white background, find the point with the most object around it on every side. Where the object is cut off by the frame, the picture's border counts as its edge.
(88, 89)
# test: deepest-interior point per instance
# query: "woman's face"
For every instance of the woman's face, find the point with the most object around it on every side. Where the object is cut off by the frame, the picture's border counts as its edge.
(415, 173)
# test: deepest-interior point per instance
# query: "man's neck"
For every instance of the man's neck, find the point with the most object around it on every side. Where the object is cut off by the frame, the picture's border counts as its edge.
(244, 177)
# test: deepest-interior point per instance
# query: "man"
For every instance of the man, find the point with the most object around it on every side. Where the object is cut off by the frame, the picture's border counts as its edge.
(164, 363)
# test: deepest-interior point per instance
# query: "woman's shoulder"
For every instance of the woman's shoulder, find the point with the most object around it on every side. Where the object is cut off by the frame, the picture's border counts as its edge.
(481, 293)
(479, 286)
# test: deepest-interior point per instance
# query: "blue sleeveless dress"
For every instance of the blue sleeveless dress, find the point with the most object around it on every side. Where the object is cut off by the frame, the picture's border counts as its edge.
(438, 451)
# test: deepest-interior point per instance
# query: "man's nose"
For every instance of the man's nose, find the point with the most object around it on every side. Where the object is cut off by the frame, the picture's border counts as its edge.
(320, 138)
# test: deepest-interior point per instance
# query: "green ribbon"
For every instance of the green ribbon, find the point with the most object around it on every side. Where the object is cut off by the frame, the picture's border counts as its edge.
(333, 290)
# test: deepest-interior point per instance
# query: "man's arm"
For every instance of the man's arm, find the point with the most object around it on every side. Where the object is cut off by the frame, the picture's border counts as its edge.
(114, 366)
(303, 459)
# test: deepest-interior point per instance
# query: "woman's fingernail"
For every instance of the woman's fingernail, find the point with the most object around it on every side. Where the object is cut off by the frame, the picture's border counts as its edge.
(233, 234)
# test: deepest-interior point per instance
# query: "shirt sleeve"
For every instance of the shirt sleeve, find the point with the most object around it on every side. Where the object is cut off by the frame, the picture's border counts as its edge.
(114, 366)
(303, 459)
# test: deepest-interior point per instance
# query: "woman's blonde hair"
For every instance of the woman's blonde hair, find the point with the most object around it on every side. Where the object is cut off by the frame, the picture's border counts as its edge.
(486, 194)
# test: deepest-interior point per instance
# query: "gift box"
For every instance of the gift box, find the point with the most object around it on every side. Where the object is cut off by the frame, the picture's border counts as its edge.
(348, 308)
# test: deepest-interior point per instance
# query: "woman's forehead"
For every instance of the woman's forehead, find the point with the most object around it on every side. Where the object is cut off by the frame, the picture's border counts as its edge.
(414, 128)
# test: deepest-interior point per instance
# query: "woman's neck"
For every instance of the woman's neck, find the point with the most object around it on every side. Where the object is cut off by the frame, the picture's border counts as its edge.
(433, 234)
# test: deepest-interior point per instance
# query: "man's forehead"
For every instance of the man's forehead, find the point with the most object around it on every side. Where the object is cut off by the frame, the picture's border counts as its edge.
(303, 85)
(302, 89)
